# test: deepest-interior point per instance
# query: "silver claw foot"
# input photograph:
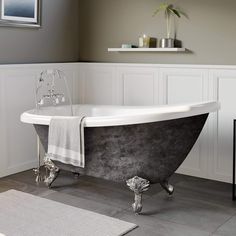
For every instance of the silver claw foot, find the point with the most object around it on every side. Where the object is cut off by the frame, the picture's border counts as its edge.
(53, 172)
(167, 187)
(138, 186)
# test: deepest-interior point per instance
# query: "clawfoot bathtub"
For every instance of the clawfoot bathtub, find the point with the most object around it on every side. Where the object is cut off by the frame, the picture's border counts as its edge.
(137, 145)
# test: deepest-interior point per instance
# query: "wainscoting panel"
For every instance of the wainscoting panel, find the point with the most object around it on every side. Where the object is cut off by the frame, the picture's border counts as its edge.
(99, 86)
(140, 85)
(3, 133)
(188, 86)
(17, 94)
(224, 85)
(16, 101)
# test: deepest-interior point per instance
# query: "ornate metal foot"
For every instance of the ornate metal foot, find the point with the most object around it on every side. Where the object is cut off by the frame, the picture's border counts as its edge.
(138, 186)
(53, 172)
(167, 187)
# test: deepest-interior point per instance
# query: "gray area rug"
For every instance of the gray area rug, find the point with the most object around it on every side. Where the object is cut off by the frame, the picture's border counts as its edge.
(22, 214)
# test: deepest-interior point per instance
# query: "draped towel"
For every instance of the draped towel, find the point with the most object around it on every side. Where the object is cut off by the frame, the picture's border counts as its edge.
(66, 140)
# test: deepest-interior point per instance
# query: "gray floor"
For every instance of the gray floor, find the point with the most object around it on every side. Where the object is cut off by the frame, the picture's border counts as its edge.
(199, 207)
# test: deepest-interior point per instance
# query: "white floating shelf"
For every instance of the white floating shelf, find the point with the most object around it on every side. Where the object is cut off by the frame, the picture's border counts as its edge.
(146, 49)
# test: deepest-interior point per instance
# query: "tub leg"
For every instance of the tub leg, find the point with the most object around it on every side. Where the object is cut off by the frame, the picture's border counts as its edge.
(53, 172)
(167, 187)
(138, 186)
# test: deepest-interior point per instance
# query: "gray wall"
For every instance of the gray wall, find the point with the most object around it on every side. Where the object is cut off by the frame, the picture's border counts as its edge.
(210, 32)
(56, 41)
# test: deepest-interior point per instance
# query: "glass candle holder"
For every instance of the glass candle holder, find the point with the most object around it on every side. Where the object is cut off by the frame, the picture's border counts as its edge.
(144, 41)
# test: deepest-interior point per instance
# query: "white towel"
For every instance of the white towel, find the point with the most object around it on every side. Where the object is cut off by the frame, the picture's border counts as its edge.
(66, 140)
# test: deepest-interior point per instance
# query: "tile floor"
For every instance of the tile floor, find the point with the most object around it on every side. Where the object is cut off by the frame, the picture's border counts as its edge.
(198, 207)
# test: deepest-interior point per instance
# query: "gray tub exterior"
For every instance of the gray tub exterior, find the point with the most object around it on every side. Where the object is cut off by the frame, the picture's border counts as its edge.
(152, 151)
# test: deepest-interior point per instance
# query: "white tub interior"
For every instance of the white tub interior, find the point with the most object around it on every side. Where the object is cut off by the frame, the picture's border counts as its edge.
(97, 111)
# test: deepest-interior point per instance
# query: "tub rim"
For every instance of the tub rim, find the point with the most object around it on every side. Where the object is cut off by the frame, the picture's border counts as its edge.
(173, 112)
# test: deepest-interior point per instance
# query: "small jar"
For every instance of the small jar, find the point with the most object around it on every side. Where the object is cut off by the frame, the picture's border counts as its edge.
(144, 41)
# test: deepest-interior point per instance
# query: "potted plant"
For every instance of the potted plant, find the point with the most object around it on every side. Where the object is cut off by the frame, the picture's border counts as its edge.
(169, 11)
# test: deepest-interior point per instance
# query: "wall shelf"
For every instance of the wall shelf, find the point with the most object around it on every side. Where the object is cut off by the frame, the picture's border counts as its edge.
(146, 49)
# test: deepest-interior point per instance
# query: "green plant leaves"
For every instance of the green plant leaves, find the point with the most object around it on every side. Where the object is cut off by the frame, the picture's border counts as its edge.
(175, 12)
(162, 7)
(169, 10)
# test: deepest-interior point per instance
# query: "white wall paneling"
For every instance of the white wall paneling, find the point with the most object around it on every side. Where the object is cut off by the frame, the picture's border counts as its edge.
(125, 84)
(223, 84)
(98, 85)
(185, 85)
(138, 85)
(18, 97)
(18, 140)
(3, 133)
(188, 86)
